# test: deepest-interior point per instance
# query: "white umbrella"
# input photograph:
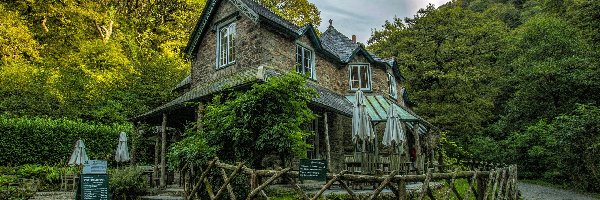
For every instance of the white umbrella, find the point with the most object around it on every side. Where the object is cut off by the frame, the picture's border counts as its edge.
(393, 129)
(122, 154)
(361, 122)
(78, 156)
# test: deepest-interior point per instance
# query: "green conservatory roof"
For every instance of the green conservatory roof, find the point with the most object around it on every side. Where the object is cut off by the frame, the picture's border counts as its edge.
(377, 107)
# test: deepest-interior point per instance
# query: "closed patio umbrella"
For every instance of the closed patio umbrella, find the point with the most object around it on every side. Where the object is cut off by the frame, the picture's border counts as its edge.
(122, 154)
(361, 122)
(78, 156)
(393, 130)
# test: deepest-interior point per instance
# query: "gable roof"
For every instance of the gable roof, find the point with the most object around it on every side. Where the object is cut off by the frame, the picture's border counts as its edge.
(332, 43)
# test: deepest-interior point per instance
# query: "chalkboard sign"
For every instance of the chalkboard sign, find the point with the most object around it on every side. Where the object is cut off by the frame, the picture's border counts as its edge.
(94, 187)
(313, 170)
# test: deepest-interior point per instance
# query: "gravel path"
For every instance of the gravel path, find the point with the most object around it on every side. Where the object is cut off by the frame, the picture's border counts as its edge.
(535, 192)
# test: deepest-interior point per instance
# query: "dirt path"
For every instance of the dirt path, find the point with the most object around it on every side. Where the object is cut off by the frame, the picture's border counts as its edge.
(535, 192)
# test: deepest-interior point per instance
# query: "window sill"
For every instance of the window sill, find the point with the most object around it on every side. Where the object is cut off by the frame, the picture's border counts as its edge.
(225, 66)
(363, 90)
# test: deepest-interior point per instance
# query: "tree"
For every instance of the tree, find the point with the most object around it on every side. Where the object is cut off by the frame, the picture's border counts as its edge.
(551, 70)
(449, 57)
(300, 12)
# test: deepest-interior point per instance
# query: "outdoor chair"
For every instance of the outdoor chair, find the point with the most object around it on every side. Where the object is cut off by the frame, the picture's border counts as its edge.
(68, 180)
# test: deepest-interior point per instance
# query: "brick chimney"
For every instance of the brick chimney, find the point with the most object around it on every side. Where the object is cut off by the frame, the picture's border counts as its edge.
(354, 38)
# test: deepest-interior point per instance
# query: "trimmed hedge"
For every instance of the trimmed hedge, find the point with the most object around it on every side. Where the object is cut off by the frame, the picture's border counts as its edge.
(50, 141)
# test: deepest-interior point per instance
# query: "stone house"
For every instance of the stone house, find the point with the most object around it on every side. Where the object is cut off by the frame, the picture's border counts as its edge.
(239, 42)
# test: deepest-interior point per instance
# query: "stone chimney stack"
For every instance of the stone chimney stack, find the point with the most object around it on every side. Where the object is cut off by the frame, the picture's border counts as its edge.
(354, 38)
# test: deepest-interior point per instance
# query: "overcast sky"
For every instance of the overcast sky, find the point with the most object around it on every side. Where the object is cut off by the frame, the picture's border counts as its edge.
(358, 17)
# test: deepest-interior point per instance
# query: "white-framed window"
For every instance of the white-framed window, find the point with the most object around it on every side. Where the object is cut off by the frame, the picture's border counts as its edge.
(305, 62)
(392, 84)
(226, 45)
(360, 77)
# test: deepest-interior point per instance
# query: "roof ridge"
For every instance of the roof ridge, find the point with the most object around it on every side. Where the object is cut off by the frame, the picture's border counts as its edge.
(258, 2)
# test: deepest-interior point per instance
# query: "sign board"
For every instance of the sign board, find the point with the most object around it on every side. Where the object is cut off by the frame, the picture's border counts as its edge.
(94, 187)
(93, 182)
(94, 167)
(313, 170)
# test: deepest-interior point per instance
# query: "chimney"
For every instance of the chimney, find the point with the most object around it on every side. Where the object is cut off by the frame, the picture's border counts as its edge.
(354, 38)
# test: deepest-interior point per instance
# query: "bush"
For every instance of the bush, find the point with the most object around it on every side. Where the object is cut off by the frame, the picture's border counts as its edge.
(562, 151)
(50, 142)
(45, 174)
(127, 183)
(23, 190)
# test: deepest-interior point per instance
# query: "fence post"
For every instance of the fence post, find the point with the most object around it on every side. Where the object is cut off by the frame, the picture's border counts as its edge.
(481, 187)
(402, 190)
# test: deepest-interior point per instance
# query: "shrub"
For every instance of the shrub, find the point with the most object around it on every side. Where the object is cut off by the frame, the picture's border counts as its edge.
(128, 182)
(50, 141)
(24, 189)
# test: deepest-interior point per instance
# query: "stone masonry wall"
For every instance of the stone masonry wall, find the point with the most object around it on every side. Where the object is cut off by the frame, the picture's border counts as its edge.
(247, 48)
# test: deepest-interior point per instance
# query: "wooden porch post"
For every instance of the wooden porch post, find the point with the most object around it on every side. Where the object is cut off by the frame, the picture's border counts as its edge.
(417, 147)
(327, 145)
(163, 166)
(317, 146)
(199, 115)
(156, 160)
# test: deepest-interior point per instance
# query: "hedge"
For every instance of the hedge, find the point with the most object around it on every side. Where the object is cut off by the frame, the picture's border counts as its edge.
(50, 141)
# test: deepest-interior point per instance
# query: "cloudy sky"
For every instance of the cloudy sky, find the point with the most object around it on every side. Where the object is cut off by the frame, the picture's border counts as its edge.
(358, 17)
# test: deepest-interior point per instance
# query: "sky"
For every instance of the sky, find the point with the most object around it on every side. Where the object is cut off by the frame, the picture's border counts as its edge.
(359, 17)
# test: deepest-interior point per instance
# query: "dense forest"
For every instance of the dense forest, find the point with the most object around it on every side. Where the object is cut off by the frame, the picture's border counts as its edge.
(511, 81)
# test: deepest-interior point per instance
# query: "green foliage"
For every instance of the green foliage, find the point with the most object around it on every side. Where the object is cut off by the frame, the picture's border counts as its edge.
(250, 125)
(127, 182)
(300, 12)
(193, 149)
(562, 149)
(449, 57)
(497, 75)
(47, 174)
(23, 192)
(51, 142)
(264, 120)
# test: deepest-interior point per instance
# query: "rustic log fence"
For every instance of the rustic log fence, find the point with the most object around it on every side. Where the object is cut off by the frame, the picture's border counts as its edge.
(497, 183)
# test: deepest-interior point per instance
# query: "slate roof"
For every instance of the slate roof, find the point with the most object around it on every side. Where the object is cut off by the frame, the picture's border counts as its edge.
(186, 82)
(239, 79)
(331, 100)
(338, 44)
(326, 99)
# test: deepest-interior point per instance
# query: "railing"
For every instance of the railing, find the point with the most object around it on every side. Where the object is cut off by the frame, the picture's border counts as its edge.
(499, 183)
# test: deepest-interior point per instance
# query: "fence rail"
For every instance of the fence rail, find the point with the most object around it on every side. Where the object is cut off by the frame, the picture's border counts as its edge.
(498, 183)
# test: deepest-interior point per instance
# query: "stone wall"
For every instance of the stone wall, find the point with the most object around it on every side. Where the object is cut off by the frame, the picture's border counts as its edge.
(247, 48)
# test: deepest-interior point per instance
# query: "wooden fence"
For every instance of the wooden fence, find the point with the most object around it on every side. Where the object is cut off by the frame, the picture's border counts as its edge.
(498, 183)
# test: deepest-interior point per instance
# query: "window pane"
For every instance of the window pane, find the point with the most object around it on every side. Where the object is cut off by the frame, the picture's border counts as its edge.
(364, 76)
(298, 59)
(222, 46)
(306, 61)
(354, 77)
(231, 44)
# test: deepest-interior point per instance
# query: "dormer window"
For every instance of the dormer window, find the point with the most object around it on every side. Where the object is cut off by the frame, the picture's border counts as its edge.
(226, 45)
(305, 62)
(360, 77)
(392, 84)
